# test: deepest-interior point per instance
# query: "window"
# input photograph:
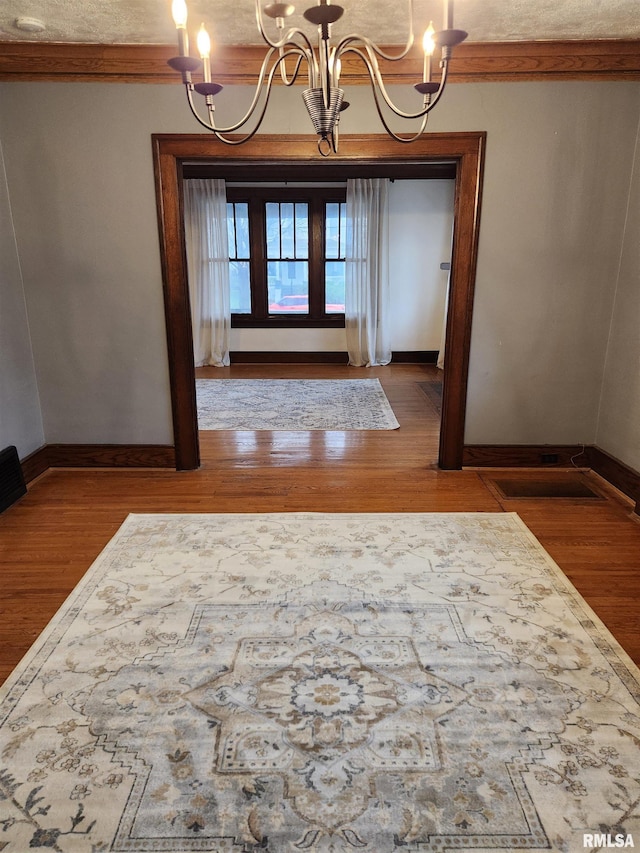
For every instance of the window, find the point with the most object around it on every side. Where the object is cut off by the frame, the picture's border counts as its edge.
(287, 255)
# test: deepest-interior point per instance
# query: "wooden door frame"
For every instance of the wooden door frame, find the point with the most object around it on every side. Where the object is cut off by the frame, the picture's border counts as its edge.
(361, 155)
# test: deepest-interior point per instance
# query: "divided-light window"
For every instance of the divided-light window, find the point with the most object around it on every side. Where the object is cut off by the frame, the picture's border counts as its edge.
(287, 256)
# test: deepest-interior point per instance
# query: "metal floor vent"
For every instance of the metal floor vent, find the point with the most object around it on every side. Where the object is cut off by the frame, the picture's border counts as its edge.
(561, 487)
(12, 485)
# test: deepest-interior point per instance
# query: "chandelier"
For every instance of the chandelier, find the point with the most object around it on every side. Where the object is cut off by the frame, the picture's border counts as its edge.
(290, 53)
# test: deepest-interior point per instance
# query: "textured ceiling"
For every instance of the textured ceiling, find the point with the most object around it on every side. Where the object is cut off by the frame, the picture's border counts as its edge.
(233, 21)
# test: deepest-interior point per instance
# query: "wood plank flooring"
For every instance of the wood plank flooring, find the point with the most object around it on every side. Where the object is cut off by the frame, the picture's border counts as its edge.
(52, 535)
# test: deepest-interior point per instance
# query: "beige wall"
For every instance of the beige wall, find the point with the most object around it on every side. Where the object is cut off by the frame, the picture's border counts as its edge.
(558, 167)
(619, 421)
(20, 420)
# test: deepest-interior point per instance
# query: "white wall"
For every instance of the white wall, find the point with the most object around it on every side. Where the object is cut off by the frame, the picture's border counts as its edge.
(619, 422)
(558, 167)
(288, 340)
(20, 419)
(420, 228)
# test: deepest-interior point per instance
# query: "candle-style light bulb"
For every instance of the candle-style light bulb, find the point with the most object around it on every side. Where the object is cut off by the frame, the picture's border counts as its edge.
(204, 49)
(204, 43)
(428, 45)
(179, 12)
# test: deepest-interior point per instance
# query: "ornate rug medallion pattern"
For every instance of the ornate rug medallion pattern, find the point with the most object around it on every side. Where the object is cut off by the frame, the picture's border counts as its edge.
(288, 682)
(293, 404)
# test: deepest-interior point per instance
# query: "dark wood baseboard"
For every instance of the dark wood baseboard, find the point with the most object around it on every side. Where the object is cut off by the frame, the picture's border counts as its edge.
(336, 357)
(34, 464)
(525, 456)
(111, 456)
(263, 357)
(97, 456)
(617, 473)
(427, 356)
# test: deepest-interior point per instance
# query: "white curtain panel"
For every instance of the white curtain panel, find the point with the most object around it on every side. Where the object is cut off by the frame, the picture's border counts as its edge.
(367, 272)
(205, 212)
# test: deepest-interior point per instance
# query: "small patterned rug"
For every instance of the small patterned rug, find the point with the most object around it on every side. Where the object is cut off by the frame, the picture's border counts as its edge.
(286, 682)
(293, 404)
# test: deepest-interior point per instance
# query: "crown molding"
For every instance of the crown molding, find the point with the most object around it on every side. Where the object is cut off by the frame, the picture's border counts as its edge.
(473, 62)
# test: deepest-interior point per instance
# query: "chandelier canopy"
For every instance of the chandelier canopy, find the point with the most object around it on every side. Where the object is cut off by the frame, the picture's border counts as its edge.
(291, 53)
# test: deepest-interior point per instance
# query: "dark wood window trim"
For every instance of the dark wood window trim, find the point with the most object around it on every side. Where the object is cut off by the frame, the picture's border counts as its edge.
(292, 157)
(316, 197)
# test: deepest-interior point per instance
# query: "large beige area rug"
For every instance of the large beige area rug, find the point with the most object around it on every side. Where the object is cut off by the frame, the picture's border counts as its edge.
(288, 682)
(293, 404)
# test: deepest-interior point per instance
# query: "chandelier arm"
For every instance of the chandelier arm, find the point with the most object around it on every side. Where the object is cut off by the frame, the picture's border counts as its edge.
(370, 45)
(286, 38)
(218, 133)
(397, 137)
(283, 71)
(377, 83)
(259, 91)
(376, 99)
(289, 38)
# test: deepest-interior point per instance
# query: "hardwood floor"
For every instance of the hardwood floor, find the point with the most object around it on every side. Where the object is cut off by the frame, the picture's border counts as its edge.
(52, 535)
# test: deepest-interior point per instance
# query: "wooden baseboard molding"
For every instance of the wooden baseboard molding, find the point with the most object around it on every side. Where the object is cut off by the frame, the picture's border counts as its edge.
(336, 357)
(34, 464)
(525, 456)
(97, 456)
(624, 478)
(263, 357)
(111, 456)
(427, 356)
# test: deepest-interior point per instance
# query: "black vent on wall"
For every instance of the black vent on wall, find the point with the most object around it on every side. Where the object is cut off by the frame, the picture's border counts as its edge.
(12, 484)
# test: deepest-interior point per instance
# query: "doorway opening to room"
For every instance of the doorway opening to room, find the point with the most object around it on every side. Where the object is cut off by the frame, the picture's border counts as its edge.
(457, 157)
(288, 247)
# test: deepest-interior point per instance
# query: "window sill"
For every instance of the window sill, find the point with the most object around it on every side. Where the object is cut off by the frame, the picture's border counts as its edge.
(240, 321)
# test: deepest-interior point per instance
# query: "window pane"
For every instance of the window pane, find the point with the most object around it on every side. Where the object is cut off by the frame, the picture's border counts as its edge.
(335, 229)
(231, 230)
(332, 230)
(288, 287)
(240, 287)
(242, 230)
(272, 210)
(302, 230)
(286, 231)
(238, 229)
(334, 287)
